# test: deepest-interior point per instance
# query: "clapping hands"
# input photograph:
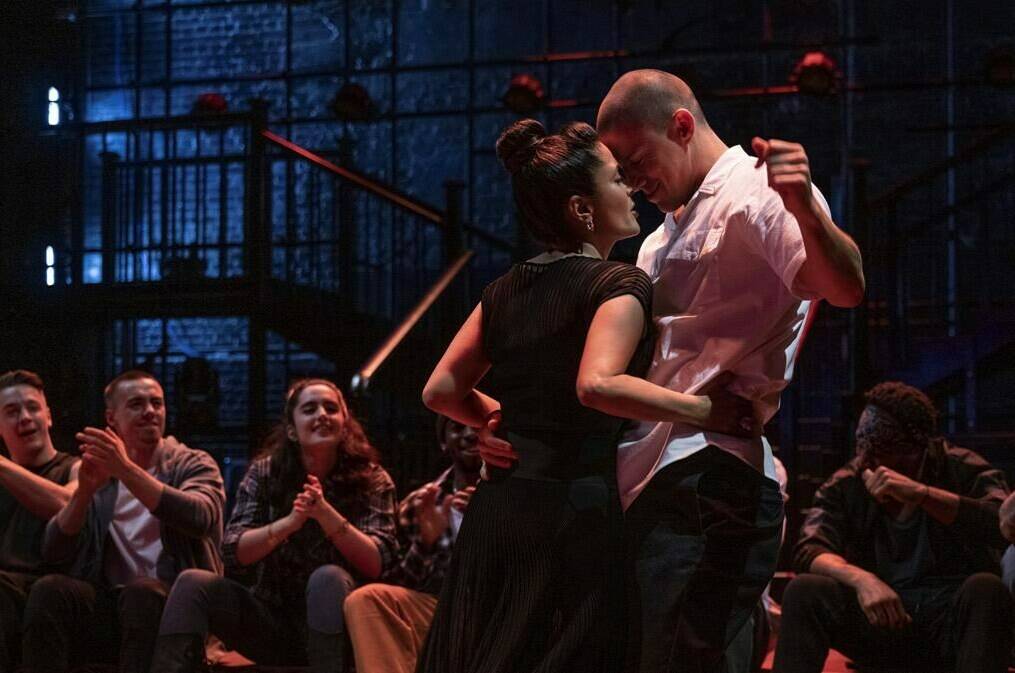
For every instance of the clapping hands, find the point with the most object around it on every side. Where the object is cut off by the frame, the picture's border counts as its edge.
(311, 503)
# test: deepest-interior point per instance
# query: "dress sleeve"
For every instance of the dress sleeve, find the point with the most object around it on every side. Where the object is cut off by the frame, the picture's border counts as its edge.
(624, 279)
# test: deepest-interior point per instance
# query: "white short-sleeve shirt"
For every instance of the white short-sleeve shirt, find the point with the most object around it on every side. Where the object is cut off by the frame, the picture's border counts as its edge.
(722, 272)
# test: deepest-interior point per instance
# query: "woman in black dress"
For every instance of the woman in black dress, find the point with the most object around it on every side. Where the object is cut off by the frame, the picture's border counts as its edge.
(537, 576)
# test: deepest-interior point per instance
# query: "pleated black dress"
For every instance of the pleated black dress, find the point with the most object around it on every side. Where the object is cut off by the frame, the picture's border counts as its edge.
(536, 582)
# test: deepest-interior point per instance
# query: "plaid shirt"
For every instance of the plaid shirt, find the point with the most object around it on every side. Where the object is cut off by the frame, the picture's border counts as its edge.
(420, 568)
(280, 578)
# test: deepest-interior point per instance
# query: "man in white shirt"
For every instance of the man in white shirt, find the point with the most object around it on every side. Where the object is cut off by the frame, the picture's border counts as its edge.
(146, 508)
(740, 256)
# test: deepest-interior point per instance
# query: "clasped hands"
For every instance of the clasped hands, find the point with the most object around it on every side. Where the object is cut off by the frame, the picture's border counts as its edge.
(311, 504)
(103, 455)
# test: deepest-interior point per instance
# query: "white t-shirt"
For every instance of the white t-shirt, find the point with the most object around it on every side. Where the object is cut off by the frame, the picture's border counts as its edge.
(137, 540)
(722, 273)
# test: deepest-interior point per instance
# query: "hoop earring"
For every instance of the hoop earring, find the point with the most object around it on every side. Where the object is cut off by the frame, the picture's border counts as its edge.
(590, 223)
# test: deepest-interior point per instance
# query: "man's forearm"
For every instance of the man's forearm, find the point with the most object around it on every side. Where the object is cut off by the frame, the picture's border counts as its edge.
(838, 568)
(834, 267)
(38, 495)
(940, 504)
(72, 517)
(143, 486)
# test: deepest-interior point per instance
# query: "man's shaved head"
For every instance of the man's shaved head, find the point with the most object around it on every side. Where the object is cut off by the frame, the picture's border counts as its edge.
(646, 98)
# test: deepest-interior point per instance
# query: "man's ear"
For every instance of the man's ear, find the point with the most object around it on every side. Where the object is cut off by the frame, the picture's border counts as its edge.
(109, 420)
(681, 127)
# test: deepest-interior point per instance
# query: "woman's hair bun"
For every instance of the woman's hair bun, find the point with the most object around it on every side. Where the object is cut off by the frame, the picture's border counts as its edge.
(516, 143)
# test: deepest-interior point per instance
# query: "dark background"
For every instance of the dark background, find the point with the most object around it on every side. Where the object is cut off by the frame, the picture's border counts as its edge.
(913, 149)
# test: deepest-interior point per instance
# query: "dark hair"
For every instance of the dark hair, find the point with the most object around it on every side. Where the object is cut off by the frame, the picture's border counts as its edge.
(907, 405)
(21, 377)
(353, 469)
(130, 375)
(546, 171)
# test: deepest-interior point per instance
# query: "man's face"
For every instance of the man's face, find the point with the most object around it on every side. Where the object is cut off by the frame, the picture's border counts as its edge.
(653, 164)
(881, 440)
(25, 420)
(138, 412)
(460, 441)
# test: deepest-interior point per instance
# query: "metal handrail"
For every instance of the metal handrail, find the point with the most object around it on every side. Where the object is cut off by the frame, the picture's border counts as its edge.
(449, 221)
(410, 204)
(361, 380)
(369, 184)
(182, 122)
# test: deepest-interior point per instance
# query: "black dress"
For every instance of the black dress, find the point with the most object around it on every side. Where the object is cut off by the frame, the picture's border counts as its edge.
(536, 582)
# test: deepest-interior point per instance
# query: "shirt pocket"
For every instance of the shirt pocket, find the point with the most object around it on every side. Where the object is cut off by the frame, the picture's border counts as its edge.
(690, 273)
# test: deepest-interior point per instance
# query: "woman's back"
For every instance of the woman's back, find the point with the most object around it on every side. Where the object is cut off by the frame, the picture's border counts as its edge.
(535, 321)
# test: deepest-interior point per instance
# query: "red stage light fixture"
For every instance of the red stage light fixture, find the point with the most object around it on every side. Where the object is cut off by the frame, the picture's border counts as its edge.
(524, 94)
(352, 103)
(208, 103)
(816, 74)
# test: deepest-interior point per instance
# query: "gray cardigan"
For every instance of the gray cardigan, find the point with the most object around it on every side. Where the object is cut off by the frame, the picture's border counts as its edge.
(190, 511)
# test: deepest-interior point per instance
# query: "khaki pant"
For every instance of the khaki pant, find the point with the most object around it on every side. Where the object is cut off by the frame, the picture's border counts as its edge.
(387, 625)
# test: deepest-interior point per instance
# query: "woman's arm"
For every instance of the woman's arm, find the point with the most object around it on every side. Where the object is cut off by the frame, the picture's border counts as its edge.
(368, 544)
(256, 543)
(603, 385)
(250, 536)
(451, 389)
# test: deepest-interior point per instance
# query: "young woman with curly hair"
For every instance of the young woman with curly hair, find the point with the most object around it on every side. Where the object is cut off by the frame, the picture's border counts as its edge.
(314, 516)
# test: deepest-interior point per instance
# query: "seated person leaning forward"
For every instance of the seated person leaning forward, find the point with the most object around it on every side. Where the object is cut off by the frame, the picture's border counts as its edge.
(36, 480)
(146, 508)
(388, 621)
(900, 552)
(313, 516)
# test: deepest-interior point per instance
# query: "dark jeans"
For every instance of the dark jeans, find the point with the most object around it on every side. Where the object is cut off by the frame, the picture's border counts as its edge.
(747, 651)
(14, 588)
(68, 620)
(203, 603)
(704, 539)
(968, 628)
